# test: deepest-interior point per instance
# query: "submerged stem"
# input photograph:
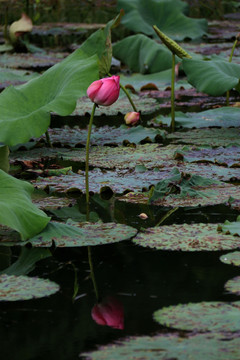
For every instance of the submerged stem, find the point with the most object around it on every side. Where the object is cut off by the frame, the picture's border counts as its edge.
(92, 273)
(173, 94)
(87, 160)
(48, 139)
(169, 213)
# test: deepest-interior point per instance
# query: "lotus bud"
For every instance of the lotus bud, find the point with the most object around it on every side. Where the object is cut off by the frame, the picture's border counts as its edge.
(143, 216)
(132, 118)
(109, 312)
(20, 27)
(104, 91)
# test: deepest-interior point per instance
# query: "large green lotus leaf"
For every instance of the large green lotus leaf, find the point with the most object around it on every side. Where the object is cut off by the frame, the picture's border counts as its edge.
(121, 106)
(17, 210)
(26, 261)
(210, 137)
(105, 135)
(74, 234)
(231, 227)
(203, 316)
(171, 346)
(146, 55)
(212, 195)
(25, 110)
(229, 156)
(213, 77)
(187, 237)
(221, 117)
(14, 288)
(156, 81)
(4, 161)
(30, 61)
(233, 285)
(232, 258)
(15, 77)
(168, 15)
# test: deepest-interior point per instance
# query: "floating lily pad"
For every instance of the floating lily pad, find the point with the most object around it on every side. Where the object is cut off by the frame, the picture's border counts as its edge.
(234, 204)
(15, 77)
(74, 234)
(232, 228)
(232, 258)
(30, 61)
(13, 288)
(105, 135)
(52, 202)
(121, 106)
(233, 286)
(211, 346)
(229, 156)
(211, 137)
(213, 195)
(187, 237)
(221, 117)
(203, 316)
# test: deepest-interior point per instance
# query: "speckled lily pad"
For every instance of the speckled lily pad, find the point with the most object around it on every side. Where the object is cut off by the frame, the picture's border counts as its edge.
(187, 237)
(74, 234)
(233, 286)
(229, 156)
(203, 316)
(105, 135)
(30, 61)
(52, 202)
(212, 195)
(232, 258)
(13, 288)
(211, 137)
(210, 346)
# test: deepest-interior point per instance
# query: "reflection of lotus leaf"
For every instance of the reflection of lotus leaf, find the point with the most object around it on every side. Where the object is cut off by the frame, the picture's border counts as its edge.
(187, 237)
(13, 288)
(204, 316)
(211, 346)
(233, 285)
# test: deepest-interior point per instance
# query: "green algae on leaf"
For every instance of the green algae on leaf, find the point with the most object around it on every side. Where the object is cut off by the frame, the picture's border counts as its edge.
(203, 316)
(174, 346)
(186, 237)
(14, 288)
(233, 286)
(232, 258)
(210, 137)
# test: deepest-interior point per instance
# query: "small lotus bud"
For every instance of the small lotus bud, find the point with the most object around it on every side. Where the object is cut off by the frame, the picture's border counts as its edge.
(104, 91)
(132, 118)
(143, 216)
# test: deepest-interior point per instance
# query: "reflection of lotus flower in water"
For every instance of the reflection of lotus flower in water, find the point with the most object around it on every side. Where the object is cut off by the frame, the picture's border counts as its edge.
(109, 312)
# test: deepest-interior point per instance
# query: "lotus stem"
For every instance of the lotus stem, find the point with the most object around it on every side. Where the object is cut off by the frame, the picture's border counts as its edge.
(173, 94)
(230, 60)
(92, 273)
(169, 213)
(48, 139)
(87, 160)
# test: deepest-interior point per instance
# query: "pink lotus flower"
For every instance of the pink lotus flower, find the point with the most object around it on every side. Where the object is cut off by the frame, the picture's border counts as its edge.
(104, 91)
(109, 312)
(132, 118)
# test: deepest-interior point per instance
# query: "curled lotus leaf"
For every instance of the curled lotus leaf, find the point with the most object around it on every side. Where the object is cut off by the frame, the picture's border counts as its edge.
(232, 258)
(171, 346)
(203, 316)
(233, 286)
(186, 237)
(14, 288)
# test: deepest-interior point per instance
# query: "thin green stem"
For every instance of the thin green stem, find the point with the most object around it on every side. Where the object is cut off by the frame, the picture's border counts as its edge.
(129, 97)
(87, 160)
(48, 139)
(173, 94)
(230, 60)
(170, 212)
(92, 273)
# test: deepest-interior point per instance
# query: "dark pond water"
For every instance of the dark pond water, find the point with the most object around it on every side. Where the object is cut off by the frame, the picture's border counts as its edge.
(144, 280)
